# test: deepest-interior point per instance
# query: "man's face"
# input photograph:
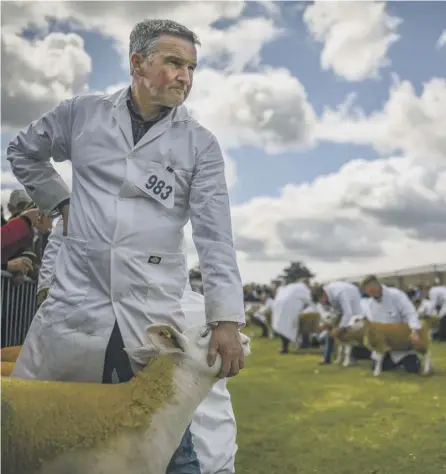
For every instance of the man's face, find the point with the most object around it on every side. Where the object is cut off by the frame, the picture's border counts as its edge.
(167, 75)
(323, 299)
(373, 290)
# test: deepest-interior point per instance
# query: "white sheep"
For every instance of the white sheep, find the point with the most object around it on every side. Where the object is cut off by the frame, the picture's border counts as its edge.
(385, 337)
(133, 427)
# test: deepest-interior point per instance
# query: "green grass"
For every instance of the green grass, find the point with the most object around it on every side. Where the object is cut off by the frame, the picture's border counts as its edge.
(295, 417)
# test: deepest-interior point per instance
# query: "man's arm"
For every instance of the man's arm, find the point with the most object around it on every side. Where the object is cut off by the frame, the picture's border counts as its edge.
(408, 312)
(212, 235)
(346, 310)
(30, 152)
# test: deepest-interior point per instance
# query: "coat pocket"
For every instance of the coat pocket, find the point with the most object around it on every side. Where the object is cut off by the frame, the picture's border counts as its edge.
(166, 276)
(70, 283)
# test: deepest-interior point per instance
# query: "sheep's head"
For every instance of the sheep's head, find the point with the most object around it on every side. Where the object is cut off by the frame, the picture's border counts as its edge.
(191, 346)
(357, 322)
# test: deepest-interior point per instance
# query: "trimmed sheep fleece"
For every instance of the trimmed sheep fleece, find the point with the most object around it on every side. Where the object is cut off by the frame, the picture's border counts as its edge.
(43, 419)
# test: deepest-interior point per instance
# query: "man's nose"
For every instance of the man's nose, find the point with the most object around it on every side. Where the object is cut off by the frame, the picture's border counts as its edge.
(185, 76)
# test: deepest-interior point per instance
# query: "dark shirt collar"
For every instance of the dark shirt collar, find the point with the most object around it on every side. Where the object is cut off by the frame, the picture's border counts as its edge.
(133, 109)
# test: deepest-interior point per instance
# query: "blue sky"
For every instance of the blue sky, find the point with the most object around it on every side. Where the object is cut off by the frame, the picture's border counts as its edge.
(413, 58)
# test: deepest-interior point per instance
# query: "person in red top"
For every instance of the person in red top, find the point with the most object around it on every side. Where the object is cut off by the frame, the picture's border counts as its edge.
(18, 233)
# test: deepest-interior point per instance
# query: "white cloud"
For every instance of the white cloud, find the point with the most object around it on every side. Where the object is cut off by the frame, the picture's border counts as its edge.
(267, 110)
(441, 40)
(116, 20)
(356, 36)
(252, 33)
(37, 75)
(369, 216)
(410, 124)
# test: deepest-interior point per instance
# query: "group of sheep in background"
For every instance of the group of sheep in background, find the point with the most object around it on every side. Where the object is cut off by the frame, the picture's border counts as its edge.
(93, 428)
(378, 337)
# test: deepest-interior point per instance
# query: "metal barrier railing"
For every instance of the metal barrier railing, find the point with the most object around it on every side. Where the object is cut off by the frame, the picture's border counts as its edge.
(18, 309)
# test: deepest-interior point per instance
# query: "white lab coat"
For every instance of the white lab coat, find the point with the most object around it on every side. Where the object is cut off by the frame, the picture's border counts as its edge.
(437, 294)
(122, 259)
(345, 299)
(213, 427)
(365, 302)
(289, 303)
(394, 307)
(427, 308)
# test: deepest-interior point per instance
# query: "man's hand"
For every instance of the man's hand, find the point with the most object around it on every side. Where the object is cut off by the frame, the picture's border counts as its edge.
(20, 265)
(415, 337)
(225, 340)
(65, 211)
(44, 224)
(33, 215)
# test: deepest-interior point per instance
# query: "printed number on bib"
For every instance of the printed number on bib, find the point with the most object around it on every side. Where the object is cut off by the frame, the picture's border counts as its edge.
(159, 184)
(158, 187)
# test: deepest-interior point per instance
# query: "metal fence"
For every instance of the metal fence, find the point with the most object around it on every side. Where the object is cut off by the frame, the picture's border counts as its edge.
(18, 308)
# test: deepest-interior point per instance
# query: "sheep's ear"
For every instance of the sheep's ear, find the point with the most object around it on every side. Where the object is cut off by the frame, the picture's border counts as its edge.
(245, 340)
(166, 338)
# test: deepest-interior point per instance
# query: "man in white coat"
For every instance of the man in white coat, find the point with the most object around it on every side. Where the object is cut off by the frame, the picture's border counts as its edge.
(142, 167)
(391, 305)
(289, 302)
(345, 299)
(213, 428)
(437, 295)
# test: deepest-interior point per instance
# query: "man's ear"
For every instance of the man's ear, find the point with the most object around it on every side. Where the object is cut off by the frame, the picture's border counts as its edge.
(166, 338)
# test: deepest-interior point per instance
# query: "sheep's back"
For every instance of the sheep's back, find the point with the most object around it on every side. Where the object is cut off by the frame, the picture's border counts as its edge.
(43, 419)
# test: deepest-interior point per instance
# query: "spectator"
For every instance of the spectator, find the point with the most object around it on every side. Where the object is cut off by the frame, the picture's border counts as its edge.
(18, 233)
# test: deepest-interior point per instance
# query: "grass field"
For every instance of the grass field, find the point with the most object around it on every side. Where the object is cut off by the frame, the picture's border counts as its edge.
(295, 417)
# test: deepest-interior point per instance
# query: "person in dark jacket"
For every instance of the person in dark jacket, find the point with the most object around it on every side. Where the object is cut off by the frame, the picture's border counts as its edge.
(18, 233)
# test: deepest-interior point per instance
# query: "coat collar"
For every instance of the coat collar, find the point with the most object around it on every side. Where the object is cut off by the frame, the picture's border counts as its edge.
(121, 114)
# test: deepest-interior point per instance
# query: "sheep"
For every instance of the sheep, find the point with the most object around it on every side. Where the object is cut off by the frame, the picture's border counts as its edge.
(92, 428)
(385, 337)
(10, 354)
(345, 339)
(7, 368)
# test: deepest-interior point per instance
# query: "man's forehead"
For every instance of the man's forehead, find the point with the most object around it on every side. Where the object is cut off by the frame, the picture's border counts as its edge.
(172, 45)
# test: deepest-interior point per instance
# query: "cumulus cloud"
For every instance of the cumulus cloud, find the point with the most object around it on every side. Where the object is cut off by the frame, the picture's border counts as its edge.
(441, 40)
(37, 75)
(116, 20)
(365, 214)
(410, 124)
(267, 109)
(356, 36)
(222, 48)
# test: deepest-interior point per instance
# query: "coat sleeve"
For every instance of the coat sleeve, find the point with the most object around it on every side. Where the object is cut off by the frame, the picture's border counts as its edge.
(212, 235)
(30, 152)
(346, 309)
(47, 266)
(408, 312)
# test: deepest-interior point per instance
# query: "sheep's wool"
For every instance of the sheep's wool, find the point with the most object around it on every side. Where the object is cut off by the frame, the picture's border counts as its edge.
(43, 419)
(10, 354)
(7, 368)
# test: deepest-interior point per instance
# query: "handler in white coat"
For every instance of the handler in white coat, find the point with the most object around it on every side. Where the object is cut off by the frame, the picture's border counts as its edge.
(213, 428)
(289, 302)
(142, 167)
(345, 299)
(391, 305)
(437, 294)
